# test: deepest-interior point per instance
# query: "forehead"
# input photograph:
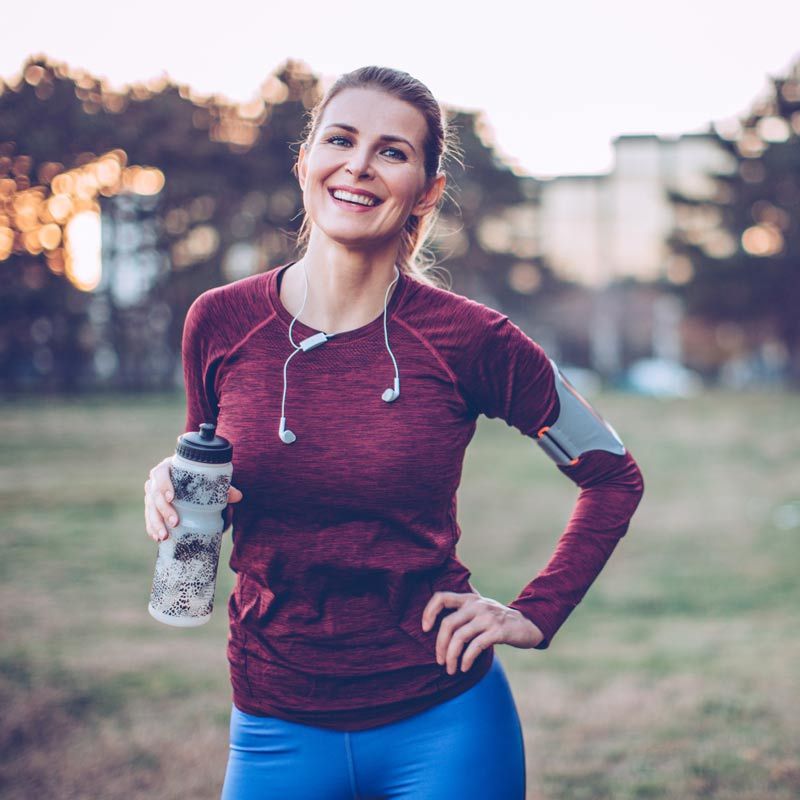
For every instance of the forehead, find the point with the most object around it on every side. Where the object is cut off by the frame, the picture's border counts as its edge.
(372, 111)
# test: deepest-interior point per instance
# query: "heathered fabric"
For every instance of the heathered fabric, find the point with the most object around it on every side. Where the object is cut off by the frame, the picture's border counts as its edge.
(342, 537)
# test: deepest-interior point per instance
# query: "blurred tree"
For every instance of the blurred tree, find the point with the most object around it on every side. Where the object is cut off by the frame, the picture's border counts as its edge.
(743, 243)
(499, 260)
(228, 207)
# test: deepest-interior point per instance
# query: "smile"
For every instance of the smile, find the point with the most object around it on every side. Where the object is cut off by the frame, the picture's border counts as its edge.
(353, 199)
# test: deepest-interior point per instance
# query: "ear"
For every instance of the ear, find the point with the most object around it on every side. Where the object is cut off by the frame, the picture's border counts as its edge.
(430, 197)
(302, 167)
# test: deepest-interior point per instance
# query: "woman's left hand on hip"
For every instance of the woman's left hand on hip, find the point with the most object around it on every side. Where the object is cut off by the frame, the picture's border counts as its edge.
(478, 623)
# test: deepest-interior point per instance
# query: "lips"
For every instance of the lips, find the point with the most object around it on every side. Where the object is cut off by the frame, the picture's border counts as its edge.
(350, 204)
(352, 190)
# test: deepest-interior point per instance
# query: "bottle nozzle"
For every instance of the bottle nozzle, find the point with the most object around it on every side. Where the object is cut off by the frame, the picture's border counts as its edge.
(207, 430)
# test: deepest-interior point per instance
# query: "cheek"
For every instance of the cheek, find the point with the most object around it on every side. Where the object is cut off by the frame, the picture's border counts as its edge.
(315, 192)
(409, 189)
(317, 169)
(417, 186)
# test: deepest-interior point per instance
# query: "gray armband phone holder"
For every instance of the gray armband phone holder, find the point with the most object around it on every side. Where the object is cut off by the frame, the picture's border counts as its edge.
(578, 428)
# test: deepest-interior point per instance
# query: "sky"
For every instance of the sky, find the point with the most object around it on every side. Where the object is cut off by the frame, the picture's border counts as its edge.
(555, 81)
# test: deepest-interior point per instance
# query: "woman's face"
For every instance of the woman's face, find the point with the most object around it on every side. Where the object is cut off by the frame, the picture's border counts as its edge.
(349, 152)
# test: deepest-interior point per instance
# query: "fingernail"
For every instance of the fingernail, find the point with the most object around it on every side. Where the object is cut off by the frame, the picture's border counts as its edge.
(173, 520)
(169, 495)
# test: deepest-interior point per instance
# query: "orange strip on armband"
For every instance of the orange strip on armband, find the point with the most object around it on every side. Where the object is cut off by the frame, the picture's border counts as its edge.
(542, 431)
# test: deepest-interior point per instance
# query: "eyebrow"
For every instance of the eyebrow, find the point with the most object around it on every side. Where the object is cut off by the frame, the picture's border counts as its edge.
(385, 137)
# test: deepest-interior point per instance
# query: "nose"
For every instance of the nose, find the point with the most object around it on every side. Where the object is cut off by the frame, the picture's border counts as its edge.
(359, 162)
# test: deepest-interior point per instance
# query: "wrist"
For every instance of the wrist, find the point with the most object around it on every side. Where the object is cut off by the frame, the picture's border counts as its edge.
(536, 632)
(535, 635)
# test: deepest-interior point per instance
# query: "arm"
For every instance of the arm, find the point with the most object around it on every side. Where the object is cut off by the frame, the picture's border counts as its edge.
(503, 373)
(611, 488)
(589, 452)
(200, 361)
(201, 406)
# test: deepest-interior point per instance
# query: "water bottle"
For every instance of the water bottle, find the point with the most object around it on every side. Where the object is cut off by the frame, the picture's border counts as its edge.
(186, 567)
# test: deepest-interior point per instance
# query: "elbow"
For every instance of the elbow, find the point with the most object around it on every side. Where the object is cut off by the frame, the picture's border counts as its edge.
(628, 476)
(637, 479)
(628, 486)
(611, 471)
(634, 483)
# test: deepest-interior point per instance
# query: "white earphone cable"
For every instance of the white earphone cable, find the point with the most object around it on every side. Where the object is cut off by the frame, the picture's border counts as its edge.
(389, 395)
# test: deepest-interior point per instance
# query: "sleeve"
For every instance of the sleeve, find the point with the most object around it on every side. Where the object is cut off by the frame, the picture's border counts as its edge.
(199, 372)
(511, 377)
(198, 369)
(507, 375)
(611, 487)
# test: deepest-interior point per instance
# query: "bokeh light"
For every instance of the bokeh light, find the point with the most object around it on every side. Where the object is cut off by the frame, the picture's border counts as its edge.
(765, 239)
(84, 265)
(66, 214)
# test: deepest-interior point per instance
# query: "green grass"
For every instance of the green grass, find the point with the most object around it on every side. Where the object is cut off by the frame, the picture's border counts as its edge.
(676, 677)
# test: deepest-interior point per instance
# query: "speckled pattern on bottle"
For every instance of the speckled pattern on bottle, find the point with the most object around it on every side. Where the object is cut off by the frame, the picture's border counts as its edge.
(200, 489)
(185, 575)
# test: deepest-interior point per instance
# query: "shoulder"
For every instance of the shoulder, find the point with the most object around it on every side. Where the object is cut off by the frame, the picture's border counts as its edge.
(459, 326)
(231, 297)
(228, 312)
(434, 307)
(500, 370)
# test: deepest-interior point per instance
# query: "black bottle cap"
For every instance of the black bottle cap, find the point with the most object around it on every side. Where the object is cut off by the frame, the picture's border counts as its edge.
(204, 446)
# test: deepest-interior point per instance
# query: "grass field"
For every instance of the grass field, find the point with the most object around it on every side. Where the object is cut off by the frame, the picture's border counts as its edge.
(678, 676)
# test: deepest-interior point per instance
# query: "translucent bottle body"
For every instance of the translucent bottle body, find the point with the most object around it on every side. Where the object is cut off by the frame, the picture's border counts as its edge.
(186, 568)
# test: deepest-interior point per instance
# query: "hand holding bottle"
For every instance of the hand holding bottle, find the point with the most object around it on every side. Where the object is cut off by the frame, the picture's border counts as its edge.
(159, 514)
(199, 482)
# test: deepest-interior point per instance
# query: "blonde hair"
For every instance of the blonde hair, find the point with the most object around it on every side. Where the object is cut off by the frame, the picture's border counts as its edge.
(440, 143)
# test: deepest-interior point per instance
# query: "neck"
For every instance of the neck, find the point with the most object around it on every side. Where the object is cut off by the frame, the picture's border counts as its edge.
(346, 288)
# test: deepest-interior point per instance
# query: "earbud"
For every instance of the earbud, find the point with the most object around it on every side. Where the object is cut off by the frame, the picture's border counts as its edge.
(287, 437)
(392, 394)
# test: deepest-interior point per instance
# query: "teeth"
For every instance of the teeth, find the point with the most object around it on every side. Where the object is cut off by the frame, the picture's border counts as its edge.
(340, 194)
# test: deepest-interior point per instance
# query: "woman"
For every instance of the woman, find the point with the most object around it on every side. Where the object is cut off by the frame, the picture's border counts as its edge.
(362, 659)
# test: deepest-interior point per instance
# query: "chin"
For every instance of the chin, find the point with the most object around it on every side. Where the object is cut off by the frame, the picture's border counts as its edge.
(347, 236)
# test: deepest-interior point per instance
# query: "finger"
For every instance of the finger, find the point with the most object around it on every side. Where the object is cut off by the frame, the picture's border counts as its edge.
(460, 637)
(438, 601)
(162, 480)
(154, 519)
(475, 648)
(149, 522)
(152, 530)
(147, 528)
(449, 625)
(167, 512)
(234, 495)
(157, 526)
(162, 492)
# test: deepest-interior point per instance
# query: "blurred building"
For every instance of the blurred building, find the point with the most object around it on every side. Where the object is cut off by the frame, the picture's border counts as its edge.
(596, 229)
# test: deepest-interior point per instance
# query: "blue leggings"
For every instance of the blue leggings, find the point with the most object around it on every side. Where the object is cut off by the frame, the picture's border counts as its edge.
(468, 747)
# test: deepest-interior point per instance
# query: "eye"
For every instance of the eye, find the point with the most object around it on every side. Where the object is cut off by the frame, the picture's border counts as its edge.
(332, 139)
(398, 155)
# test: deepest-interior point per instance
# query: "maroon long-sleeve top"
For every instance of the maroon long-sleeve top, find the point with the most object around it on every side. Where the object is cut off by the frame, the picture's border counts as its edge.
(342, 536)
